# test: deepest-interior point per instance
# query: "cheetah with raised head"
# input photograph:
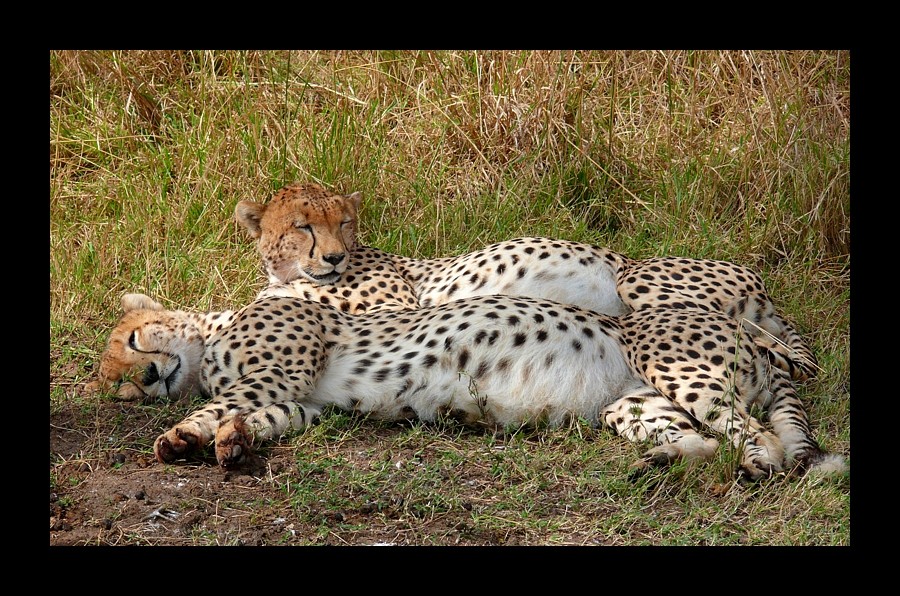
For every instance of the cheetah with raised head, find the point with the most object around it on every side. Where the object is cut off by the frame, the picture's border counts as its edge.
(658, 374)
(313, 222)
(300, 219)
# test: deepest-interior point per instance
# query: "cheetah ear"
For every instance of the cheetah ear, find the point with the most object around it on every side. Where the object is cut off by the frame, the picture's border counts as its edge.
(140, 302)
(249, 214)
(356, 198)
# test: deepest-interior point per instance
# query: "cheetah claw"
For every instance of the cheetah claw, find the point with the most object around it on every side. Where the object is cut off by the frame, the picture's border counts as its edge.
(174, 444)
(233, 444)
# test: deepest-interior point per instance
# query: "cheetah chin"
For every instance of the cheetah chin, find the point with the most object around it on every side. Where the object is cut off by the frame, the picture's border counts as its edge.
(324, 278)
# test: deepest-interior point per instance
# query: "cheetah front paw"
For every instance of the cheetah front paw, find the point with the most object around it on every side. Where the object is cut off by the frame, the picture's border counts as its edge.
(648, 461)
(657, 457)
(691, 447)
(95, 386)
(234, 442)
(176, 443)
(127, 391)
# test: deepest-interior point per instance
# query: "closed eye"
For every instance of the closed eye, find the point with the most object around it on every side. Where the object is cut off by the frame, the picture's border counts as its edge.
(131, 343)
(304, 227)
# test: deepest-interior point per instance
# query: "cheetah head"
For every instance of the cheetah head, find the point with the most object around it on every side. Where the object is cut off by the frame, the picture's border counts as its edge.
(153, 352)
(304, 231)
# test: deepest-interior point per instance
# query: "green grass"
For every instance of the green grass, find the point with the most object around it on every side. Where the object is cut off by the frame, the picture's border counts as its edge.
(736, 155)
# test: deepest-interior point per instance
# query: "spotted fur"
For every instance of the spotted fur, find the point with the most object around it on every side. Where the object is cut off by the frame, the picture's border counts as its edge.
(667, 376)
(571, 272)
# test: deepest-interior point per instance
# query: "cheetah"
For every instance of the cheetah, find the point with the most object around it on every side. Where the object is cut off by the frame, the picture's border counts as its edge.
(368, 284)
(660, 375)
(303, 226)
(314, 223)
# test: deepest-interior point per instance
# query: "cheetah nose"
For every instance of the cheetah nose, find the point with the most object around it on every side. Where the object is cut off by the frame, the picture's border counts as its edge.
(334, 258)
(151, 375)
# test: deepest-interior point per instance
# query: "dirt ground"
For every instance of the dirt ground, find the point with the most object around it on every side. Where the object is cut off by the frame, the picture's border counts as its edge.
(351, 481)
(120, 495)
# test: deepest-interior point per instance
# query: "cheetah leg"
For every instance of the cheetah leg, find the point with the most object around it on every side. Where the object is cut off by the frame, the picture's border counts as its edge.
(237, 434)
(648, 415)
(787, 349)
(790, 422)
(781, 356)
(714, 405)
(192, 433)
(199, 428)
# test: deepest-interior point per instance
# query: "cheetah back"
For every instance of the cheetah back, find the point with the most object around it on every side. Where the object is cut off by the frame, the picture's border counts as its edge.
(678, 282)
